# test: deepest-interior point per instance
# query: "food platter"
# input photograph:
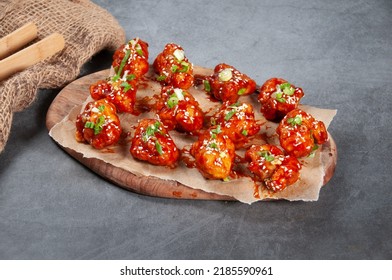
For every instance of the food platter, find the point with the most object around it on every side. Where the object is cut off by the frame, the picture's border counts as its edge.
(76, 93)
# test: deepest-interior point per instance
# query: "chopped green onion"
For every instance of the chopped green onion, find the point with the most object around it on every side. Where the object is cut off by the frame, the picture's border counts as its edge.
(244, 132)
(213, 145)
(207, 86)
(139, 50)
(172, 101)
(101, 108)
(279, 97)
(179, 54)
(229, 115)
(185, 67)
(235, 105)
(161, 78)
(241, 91)
(227, 179)
(174, 68)
(131, 77)
(267, 156)
(123, 62)
(297, 120)
(158, 146)
(151, 130)
(89, 125)
(126, 86)
(225, 75)
(216, 130)
(98, 126)
(287, 89)
(313, 153)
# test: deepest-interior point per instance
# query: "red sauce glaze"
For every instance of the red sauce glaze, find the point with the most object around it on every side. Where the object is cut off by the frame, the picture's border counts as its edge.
(237, 122)
(121, 93)
(214, 154)
(299, 132)
(152, 143)
(137, 63)
(269, 165)
(277, 97)
(173, 67)
(228, 84)
(178, 109)
(98, 124)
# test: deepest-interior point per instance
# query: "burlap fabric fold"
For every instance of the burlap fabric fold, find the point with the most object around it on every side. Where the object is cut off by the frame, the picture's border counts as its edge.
(87, 29)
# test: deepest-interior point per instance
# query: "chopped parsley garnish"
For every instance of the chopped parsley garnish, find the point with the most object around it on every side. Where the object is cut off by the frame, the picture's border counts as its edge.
(297, 120)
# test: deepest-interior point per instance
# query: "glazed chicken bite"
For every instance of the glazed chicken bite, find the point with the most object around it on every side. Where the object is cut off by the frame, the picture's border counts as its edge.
(98, 124)
(278, 97)
(152, 143)
(173, 67)
(237, 121)
(131, 59)
(300, 133)
(122, 93)
(269, 165)
(178, 109)
(214, 154)
(228, 84)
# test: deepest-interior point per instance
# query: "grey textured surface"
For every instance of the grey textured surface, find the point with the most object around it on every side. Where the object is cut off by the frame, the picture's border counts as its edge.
(339, 52)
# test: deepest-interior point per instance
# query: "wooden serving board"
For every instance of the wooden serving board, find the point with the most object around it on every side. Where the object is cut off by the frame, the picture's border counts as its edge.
(76, 93)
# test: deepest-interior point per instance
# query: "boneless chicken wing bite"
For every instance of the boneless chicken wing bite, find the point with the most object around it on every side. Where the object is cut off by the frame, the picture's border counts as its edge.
(269, 165)
(178, 109)
(300, 133)
(131, 59)
(173, 67)
(228, 84)
(278, 97)
(121, 92)
(152, 143)
(98, 124)
(237, 121)
(214, 154)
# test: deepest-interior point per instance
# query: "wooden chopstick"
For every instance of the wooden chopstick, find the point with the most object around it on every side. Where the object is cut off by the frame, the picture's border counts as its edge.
(17, 39)
(30, 55)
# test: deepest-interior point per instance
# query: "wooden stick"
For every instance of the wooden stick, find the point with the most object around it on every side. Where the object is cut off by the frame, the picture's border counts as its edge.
(31, 55)
(17, 39)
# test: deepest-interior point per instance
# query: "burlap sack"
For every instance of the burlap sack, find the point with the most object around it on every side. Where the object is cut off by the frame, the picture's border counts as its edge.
(86, 28)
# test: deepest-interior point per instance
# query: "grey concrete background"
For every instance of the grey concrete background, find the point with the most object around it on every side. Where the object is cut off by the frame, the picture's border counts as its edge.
(340, 52)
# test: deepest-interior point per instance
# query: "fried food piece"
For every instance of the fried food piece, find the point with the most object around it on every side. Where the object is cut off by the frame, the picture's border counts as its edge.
(178, 109)
(278, 97)
(214, 154)
(98, 124)
(131, 59)
(122, 93)
(300, 133)
(173, 67)
(269, 164)
(152, 143)
(237, 121)
(228, 84)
